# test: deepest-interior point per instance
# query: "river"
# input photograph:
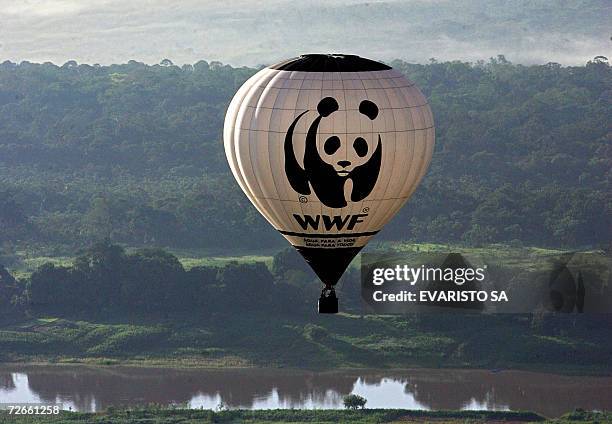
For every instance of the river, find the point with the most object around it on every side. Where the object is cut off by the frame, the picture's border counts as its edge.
(95, 388)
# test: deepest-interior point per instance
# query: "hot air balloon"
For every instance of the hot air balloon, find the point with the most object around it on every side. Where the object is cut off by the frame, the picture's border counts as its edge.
(328, 147)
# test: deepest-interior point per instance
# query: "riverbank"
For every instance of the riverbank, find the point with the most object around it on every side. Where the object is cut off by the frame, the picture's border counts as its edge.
(252, 317)
(257, 340)
(241, 364)
(367, 416)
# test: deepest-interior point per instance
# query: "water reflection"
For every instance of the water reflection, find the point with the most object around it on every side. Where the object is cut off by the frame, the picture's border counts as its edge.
(92, 389)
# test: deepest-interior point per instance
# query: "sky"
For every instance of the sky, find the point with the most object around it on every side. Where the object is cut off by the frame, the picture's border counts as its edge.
(241, 32)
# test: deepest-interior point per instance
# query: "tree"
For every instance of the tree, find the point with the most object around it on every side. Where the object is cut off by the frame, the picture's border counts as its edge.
(153, 281)
(98, 222)
(8, 291)
(354, 401)
(101, 266)
(285, 260)
(243, 283)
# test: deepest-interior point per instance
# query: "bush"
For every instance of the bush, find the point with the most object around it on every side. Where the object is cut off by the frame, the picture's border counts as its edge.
(354, 401)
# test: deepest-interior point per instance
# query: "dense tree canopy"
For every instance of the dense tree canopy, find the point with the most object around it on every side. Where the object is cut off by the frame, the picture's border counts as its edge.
(133, 153)
(105, 280)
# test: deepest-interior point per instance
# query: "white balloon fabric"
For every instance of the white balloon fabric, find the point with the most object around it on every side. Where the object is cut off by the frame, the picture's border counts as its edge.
(328, 148)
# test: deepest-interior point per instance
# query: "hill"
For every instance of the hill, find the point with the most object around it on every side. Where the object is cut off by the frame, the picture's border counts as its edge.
(133, 153)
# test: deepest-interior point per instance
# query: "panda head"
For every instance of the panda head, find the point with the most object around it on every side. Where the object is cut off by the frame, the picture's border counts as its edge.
(343, 152)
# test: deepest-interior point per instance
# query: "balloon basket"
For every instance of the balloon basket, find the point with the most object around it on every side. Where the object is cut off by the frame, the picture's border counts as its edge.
(328, 302)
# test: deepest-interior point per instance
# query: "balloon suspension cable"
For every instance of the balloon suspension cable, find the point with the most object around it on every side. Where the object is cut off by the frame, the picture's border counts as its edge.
(327, 290)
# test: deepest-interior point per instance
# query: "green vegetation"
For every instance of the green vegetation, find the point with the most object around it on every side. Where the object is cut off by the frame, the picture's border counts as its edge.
(159, 415)
(101, 166)
(133, 153)
(555, 344)
(354, 401)
(142, 307)
(220, 261)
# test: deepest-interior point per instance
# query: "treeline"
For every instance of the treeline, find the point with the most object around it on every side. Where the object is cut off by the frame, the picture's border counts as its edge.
(133, 153)
(106, 280)
(12, 296)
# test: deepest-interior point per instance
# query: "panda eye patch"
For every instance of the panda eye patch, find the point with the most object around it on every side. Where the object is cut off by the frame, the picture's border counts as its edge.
(369, 109)
(360, 146)
(331, 145)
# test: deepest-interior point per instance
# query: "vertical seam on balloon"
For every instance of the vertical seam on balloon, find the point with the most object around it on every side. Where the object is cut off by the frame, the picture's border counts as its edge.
(381, 218)
(343, 210)
(271, 207)
(282, 160)
(235, 139)
(297, 99)
(431, 145)
(406, 184)
(282, 207)
(229, 142)
(320, 97)
(385, 215)
(426, 159)
(423, 160)
(362, 202)
(248, 97)
(423, 165)
(411, 185)
(258, 203)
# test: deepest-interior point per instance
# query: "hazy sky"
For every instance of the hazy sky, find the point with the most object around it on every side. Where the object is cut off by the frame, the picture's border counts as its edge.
(241, 32)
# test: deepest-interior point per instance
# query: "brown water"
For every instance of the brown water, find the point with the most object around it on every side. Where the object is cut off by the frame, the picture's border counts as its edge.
(94, 389)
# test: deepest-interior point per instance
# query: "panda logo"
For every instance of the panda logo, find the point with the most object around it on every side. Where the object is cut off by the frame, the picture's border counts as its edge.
(328, 179)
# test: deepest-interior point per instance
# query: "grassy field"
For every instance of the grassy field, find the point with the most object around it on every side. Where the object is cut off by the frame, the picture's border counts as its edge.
(152, 415)
(344, 341)
(27, 261)
(190, 262)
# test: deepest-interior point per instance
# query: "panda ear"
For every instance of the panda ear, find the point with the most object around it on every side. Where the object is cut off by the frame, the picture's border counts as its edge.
(327, 106)
(369, 109)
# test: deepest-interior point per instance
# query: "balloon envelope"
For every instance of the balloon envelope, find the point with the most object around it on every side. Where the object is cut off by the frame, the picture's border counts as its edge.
(328, 148)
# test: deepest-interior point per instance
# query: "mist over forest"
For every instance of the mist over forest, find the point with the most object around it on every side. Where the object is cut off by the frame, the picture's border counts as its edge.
(243, 32)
